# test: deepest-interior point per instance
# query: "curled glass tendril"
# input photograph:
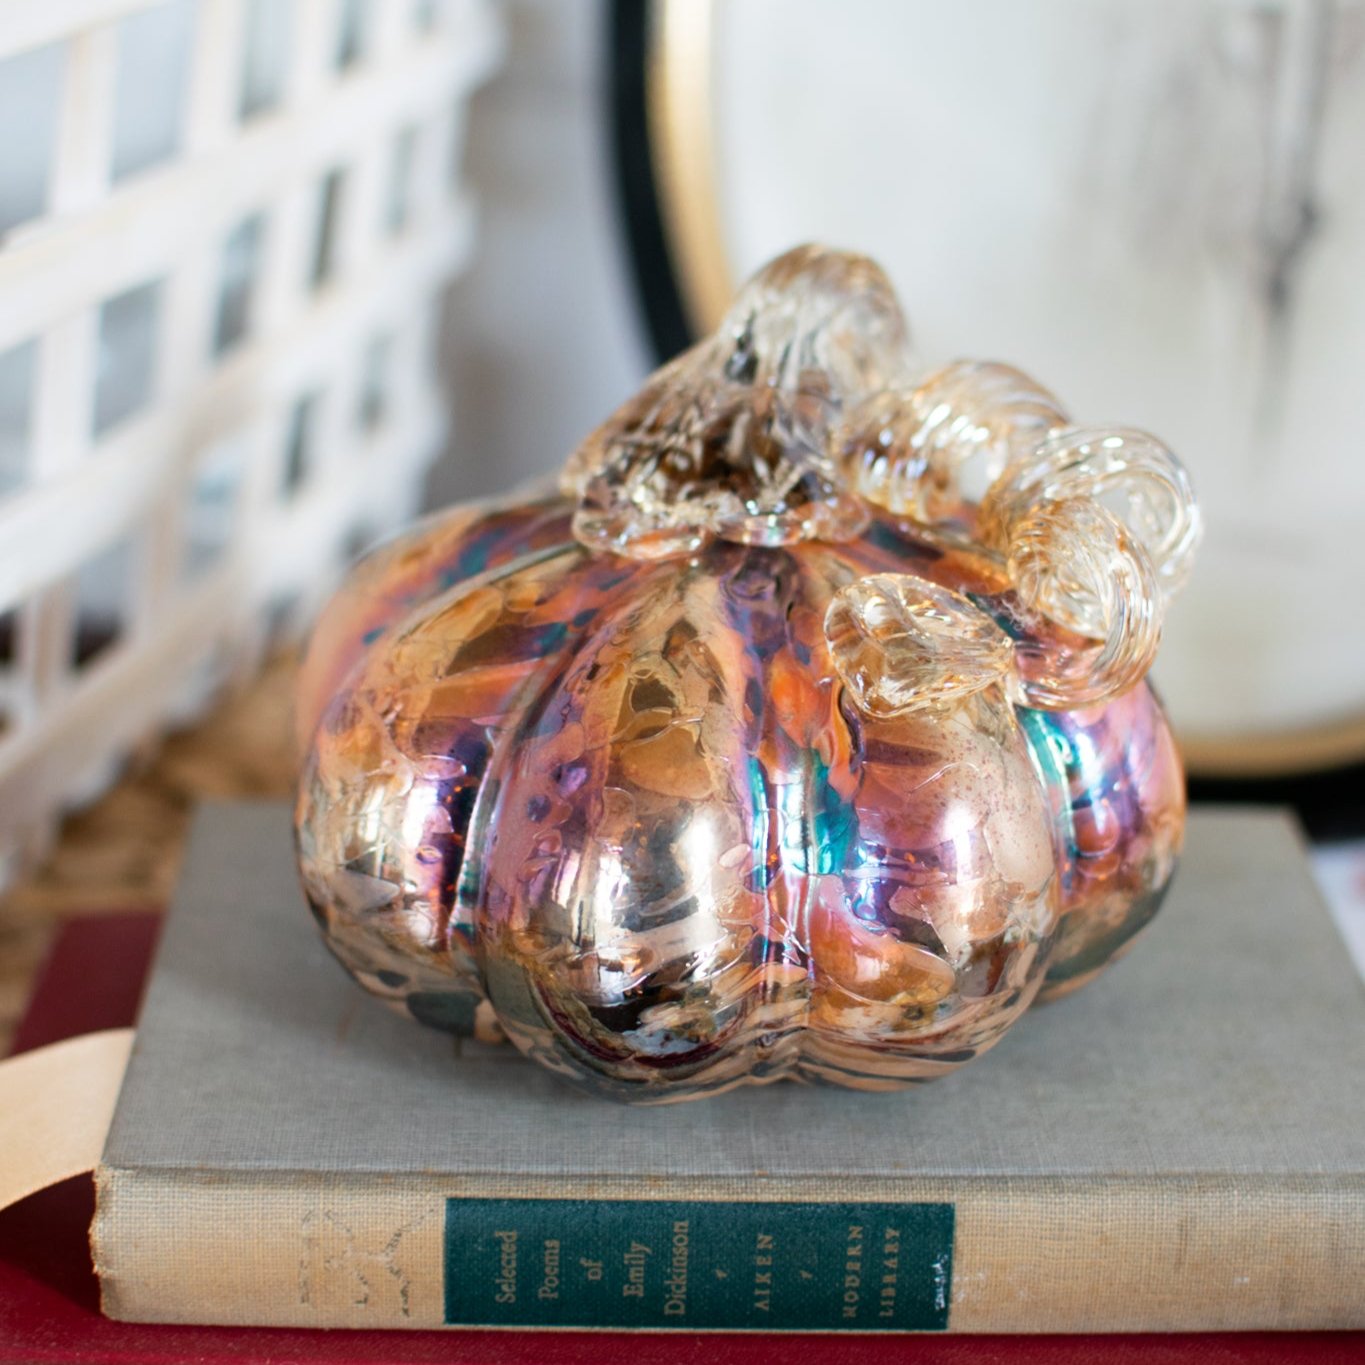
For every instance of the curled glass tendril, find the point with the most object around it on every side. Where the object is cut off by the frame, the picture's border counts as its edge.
(802, 408)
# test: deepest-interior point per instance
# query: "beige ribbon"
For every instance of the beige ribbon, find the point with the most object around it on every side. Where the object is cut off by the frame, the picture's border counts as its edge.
(56, 1104)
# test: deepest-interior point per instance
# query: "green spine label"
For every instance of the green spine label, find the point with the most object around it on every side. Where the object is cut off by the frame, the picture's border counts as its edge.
(694, 1264)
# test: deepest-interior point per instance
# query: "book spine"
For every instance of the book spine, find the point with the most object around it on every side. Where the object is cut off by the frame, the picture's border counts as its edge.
(985, 1255)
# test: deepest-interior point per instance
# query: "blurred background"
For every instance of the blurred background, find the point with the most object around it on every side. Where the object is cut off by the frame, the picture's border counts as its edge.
(277, 274)
(546, 333)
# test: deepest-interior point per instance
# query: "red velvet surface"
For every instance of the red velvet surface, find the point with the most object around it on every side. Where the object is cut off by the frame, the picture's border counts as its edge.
(49, 1298)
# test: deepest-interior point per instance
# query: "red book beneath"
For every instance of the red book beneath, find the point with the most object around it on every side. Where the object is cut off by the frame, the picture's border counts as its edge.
(49, 1297)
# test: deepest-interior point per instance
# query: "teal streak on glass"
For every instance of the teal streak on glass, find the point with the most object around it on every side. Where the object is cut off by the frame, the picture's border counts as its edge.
(1053, 757)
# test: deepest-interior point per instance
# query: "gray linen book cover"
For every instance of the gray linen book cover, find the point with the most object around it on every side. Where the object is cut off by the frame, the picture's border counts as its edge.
(1179, 1145)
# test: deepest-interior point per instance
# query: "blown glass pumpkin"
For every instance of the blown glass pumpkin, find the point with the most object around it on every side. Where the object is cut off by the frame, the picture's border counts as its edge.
(802, 731)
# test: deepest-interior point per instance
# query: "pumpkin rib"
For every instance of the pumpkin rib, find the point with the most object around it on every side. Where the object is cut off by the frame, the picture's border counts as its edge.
(406, 573)
(599, 775)
(393, 756)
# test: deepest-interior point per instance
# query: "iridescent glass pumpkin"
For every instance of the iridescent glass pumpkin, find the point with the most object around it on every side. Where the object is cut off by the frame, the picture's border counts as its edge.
(801, 732)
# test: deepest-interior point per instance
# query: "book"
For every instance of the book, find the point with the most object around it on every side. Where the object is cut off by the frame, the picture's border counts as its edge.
(49, 1297)
(1179, 1147)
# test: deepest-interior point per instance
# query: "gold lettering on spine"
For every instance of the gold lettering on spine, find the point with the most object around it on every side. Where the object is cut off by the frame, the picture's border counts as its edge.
(764, 1247)
(853, 1272)
(506, 1279)
(675, 1285)
(891, 1260)
(635, 1261)
(549, 1283)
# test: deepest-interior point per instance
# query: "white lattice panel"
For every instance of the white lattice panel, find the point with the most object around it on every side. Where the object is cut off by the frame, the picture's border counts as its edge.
(224, 229)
